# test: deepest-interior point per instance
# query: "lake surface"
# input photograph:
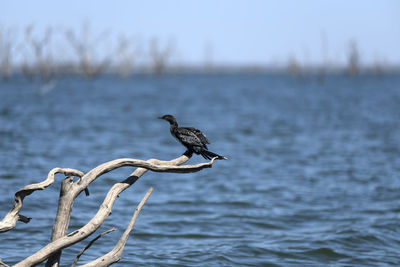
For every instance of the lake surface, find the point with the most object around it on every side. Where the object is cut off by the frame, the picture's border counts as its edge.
(313, 176)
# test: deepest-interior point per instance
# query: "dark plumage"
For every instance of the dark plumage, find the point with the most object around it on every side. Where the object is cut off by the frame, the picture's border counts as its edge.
(193, 139)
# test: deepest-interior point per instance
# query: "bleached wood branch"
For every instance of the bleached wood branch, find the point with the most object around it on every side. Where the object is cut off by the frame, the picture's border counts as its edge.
(11, 218)
(61, 222)
(2, 264)
(67, 199)
(105, 208)
(115, 254)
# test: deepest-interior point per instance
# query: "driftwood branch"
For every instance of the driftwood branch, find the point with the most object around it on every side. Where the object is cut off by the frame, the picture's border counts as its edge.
(115, 254)
(61, 223)
(11, 218)
(2, 264)
(71, 189)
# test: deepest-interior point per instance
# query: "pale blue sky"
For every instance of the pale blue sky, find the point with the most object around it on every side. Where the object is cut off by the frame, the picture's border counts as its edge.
(238, 31)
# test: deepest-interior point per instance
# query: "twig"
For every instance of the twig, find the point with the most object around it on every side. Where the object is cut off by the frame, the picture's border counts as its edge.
(89, 245)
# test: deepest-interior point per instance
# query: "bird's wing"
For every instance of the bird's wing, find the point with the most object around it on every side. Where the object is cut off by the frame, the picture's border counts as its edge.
(199, 135)
(189, 137)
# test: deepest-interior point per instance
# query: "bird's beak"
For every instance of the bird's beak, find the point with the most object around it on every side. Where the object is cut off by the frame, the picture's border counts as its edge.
(160, 118)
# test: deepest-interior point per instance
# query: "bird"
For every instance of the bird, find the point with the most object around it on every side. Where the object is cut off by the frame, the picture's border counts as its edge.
(193, 139)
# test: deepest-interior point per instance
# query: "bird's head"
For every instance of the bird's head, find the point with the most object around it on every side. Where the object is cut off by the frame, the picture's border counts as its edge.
(168, 118)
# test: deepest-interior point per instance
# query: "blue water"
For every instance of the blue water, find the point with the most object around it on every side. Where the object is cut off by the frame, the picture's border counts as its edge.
(312, 176)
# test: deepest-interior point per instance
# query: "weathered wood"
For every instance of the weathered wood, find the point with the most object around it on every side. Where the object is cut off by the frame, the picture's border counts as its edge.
(2, 264)
(104, 210)
(115, 254)
(61, 223)
(11, 218)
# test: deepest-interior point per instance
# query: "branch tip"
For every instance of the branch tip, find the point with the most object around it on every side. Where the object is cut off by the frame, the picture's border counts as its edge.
(23, 218)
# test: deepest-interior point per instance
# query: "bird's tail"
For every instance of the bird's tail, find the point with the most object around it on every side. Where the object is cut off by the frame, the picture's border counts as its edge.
(209, 155)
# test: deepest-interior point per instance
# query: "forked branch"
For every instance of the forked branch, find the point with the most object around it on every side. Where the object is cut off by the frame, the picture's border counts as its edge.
(115, 254)
(66, 240)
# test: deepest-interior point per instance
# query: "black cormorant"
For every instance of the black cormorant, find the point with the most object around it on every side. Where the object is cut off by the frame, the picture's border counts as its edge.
(193, 139)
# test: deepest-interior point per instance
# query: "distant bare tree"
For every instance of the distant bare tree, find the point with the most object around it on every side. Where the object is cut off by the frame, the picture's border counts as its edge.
(293, 66)
(324, 55)
(84, 47)
(42, 57)
(27, 68)
(160, 56)
(6, 39)
(126, 55)
(353, 59)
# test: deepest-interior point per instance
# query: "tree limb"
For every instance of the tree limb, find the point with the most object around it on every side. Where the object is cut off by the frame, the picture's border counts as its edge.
(11, 218)
(2, 264)
(71, 190)
(61, 222)
(115, 254)
(105, 208)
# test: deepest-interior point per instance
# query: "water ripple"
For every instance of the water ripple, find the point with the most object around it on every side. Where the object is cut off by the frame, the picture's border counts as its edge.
(311, 180)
